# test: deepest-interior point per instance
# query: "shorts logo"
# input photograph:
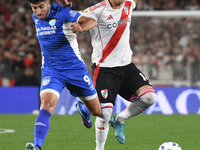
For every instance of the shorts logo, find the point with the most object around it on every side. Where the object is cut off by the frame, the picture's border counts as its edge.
(104, 93)
(46, 81)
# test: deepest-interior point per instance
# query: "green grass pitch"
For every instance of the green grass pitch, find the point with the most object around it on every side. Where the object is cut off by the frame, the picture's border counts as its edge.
(143, 132)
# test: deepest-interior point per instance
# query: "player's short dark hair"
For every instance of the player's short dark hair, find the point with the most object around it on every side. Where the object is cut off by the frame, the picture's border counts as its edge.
(36, 1)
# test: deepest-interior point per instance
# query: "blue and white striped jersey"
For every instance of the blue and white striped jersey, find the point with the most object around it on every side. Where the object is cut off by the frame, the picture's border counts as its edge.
(62, 65)
(58, 44)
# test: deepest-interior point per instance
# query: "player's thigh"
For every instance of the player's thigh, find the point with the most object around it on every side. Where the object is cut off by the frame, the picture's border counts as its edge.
(108, 83)
(48, 101)
(82, 87)
(134, 80)
(93, 106)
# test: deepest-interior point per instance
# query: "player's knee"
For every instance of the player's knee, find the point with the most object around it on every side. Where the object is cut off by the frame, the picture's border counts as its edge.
(48, 103)
(106, 115)
(148, 96)
(106, 111)
(152, 98)
(45, 104)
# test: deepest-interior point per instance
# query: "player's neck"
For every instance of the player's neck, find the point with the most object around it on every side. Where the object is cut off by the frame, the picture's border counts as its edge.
(49, 10)
(116, 4)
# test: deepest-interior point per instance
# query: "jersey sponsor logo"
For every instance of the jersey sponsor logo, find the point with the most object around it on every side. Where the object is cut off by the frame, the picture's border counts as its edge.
(86, 11)
(104, 93)
(52, 22)
(48, 29)
(119, 23)
(110, 17)
(45, 28)
(46, 33)
(46, 81)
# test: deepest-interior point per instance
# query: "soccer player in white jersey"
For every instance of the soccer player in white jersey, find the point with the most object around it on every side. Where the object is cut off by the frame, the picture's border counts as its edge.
(62, 64)
(113, 71)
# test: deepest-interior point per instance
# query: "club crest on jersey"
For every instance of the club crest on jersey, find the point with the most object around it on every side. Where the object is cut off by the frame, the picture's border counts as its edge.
(46, 80)
(52, 22)
(104, 93)
(126, 10)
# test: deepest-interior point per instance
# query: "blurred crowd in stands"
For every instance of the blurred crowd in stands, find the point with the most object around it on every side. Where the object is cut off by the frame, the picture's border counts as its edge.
(164, 48)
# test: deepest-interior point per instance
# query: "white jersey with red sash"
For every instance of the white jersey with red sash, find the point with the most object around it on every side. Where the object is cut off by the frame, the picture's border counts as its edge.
(110, 39)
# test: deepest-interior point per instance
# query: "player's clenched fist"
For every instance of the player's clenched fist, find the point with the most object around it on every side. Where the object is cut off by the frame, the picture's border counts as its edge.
(75, 27)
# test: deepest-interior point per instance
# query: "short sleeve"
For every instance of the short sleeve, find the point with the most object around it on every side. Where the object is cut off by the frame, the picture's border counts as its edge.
(91, 13)
(68, 15)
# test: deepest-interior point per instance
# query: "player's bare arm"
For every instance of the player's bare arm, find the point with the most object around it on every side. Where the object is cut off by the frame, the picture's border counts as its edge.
(84, 24)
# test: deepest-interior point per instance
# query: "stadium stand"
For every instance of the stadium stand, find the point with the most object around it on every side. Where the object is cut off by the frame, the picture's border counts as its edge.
(163, 49)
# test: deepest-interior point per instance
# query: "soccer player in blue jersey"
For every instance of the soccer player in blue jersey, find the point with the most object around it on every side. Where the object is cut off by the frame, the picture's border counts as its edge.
(62, 65)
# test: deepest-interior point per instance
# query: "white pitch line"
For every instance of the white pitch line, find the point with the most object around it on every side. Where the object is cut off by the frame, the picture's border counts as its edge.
(6, 131)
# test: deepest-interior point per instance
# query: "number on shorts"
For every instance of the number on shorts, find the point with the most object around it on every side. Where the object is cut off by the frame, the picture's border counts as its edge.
(144, 78)
(87, 79)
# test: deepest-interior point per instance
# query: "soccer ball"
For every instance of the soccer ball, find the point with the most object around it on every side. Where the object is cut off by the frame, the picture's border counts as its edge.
(169, 146)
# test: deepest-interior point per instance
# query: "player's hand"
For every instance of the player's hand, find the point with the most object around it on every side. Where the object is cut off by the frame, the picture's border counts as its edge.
(64, 3)
(75, 27)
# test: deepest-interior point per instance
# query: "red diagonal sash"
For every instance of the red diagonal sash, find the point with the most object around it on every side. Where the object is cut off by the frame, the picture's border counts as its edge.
(117, 35)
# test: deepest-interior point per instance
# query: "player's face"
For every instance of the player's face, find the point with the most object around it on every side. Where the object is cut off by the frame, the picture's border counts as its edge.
(41, 9)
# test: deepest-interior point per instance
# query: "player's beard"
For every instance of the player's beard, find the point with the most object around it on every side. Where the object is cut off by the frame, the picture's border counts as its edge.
(44, 14)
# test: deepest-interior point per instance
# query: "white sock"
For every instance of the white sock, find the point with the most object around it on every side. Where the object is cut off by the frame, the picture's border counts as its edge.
(146, 98)
(102, 125)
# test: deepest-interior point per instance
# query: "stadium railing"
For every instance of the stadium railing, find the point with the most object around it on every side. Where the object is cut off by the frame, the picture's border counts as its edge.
(173, 40)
